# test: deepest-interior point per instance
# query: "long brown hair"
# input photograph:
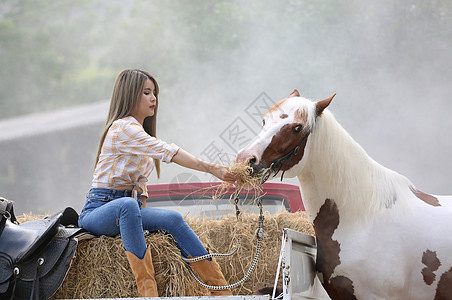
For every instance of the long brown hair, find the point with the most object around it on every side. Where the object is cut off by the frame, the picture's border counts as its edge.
(126, 94)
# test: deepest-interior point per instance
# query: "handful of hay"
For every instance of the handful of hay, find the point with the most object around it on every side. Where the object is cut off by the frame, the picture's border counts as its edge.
(245, 179)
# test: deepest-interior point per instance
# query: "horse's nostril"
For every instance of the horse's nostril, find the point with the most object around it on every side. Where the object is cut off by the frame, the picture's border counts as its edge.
(252, 161)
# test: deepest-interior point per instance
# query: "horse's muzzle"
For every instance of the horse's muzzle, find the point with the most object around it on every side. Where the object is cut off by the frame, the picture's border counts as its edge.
(257, 169)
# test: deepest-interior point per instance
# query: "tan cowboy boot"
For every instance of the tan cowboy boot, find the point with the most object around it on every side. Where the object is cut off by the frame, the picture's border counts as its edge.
(209, 272)
(143, 270)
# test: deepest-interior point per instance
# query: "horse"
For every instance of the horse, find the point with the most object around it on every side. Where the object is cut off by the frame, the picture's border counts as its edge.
(378, 236)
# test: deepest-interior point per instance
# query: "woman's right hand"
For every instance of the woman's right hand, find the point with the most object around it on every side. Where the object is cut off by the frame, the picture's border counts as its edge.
(188, 160)
(222, 172)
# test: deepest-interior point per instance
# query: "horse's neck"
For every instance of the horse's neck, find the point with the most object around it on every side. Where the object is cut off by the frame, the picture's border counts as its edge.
(337, 168)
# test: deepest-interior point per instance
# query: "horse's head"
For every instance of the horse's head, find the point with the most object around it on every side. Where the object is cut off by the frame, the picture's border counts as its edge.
(286, 128)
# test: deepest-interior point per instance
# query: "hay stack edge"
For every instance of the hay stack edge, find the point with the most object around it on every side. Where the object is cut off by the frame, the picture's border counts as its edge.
(100, 268)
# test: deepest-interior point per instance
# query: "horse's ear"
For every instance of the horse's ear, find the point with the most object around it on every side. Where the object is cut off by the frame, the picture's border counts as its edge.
(295, 93)
(322, 104)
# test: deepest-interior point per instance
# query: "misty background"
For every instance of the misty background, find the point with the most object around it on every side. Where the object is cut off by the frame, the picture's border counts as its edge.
(217, 62)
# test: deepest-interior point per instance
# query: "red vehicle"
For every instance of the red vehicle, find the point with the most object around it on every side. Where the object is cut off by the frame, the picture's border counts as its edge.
(195, 198)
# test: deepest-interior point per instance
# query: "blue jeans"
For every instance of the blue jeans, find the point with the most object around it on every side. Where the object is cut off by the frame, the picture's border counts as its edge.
(112, 212)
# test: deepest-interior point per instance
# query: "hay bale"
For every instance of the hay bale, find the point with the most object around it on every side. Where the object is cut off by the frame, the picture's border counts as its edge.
(101, 270)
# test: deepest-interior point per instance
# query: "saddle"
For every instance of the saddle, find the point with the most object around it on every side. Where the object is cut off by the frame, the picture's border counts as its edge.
(35, 256)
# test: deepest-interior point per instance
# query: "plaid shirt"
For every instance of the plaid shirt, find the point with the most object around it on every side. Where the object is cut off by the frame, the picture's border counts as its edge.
(126, 158)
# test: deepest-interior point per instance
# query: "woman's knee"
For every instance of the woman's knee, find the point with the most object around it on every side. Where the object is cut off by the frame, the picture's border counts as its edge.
(129, 206)
(173, 221)
(175, 217)
(177, 223)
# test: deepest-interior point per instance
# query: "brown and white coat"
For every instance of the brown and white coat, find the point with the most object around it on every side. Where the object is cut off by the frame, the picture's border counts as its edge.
(378, 236)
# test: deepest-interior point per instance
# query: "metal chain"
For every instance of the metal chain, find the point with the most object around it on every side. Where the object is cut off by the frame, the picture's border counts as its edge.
(260, 235)
(236, 204)
(198, 258)
(225, 287)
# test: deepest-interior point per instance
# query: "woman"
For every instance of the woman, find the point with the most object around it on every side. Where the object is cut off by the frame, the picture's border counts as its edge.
(128, 153)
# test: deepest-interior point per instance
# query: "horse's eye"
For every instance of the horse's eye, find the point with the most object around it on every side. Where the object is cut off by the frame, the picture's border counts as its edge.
(297, 129)
(263, 122)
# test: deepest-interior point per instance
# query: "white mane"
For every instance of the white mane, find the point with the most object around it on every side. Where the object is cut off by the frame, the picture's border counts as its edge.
(342, 171)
